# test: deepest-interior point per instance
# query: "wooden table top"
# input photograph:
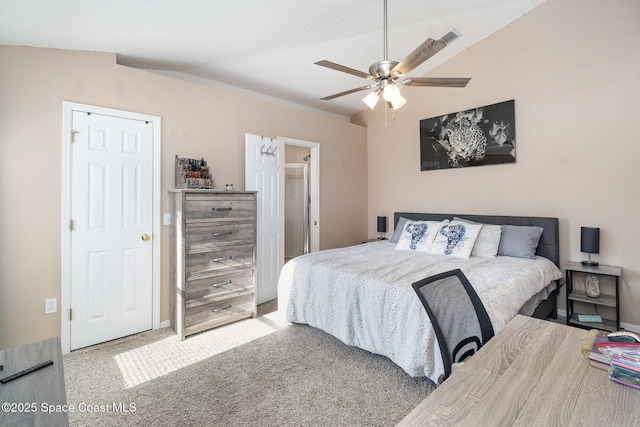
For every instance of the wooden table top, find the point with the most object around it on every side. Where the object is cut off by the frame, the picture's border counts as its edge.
(35, 399)
(532, 373)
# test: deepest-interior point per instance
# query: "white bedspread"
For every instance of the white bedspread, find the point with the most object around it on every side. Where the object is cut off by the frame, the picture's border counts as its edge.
(363, 296)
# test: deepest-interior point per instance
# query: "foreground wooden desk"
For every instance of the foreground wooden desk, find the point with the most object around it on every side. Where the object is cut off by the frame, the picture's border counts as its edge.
(22, 399)
(532, 373)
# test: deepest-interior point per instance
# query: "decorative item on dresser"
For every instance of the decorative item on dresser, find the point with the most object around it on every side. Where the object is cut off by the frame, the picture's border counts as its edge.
(213, 235)
(193, 173)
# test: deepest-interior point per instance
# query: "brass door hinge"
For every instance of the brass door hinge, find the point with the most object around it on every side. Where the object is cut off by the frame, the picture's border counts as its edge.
(70, 225)
(73, 135)
(70, 314)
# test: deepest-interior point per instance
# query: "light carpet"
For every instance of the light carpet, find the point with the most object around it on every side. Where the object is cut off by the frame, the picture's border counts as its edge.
(256, 372)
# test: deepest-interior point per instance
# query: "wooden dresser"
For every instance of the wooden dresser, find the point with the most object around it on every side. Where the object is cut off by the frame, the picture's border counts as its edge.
(213, 241)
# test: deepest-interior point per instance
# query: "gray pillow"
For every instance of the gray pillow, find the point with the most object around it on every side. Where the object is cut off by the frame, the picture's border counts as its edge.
(398, 231)
(519, 241)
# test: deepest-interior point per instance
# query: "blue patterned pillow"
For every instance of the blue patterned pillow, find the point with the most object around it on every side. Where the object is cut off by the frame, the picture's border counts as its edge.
(486, 245)
(456, 239)
(418, 235)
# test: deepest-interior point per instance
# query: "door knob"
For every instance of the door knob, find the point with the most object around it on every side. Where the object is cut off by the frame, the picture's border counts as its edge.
(145, 237)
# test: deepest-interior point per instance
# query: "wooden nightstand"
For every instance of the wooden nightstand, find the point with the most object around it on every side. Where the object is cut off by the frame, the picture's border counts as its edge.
(606, 299)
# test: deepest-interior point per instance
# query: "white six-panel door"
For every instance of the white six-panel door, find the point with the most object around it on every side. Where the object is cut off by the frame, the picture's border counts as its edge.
(264, 173)
(112, 228)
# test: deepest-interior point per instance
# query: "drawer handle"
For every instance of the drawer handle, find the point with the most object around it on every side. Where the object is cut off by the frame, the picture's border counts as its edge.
(221, 209)
(220, 259)
(215, 310)
(222, 233)
(215, 285)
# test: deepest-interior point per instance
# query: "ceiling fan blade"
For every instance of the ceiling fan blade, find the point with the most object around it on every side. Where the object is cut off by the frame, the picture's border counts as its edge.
(426, 50)
(344, 69)
(347, 92)
(437, 81)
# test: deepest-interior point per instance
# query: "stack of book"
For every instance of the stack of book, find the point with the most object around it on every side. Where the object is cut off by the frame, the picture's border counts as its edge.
(624, 367)
(590, 349)
(620, 359)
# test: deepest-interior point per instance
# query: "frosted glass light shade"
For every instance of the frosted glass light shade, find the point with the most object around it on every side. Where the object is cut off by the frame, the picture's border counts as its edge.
(398, 102)
(371, 100)
(390, 93)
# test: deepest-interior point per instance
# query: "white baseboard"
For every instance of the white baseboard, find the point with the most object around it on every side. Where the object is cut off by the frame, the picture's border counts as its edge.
(165, 324)
(627, 326)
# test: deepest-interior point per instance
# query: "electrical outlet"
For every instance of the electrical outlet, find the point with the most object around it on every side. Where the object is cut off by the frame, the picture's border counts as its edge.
(50, 305)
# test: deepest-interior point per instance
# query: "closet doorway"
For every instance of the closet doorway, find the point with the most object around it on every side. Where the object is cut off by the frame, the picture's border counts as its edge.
(296, 204)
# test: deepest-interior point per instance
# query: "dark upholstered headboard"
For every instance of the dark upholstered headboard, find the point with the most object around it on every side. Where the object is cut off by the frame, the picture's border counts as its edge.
(549, 246)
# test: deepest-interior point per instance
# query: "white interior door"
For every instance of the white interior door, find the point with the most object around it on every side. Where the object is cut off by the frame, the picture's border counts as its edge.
(111, 273)
(264, 173)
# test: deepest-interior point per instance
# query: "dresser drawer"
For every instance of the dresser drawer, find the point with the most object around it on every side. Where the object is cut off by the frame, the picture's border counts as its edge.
(207, 235)
(213, 262)
(195, 316)
(219, 206)
(218, 287)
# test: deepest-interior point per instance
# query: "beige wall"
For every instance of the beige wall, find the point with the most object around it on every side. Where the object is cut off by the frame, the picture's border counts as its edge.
(196, 122)
(573, 68)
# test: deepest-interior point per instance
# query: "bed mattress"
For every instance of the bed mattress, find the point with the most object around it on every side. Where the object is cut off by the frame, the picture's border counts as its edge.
(363, 296)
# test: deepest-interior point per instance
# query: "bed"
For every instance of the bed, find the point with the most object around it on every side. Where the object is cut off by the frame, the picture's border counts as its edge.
(362, 294)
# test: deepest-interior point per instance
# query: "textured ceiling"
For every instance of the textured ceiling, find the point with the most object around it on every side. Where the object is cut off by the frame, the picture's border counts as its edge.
(264, 48)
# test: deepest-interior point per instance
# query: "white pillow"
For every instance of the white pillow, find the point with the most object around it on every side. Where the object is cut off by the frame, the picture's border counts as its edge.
(456, 239)
(488, 241)
(418, 235)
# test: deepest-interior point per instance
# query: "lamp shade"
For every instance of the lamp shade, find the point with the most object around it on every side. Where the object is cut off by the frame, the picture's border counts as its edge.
(382, 224)
(371, 100)
(589, 240)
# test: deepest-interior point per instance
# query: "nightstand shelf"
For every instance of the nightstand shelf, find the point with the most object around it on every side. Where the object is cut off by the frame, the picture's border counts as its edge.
(605, 325)
(604, 300)
(608, 300)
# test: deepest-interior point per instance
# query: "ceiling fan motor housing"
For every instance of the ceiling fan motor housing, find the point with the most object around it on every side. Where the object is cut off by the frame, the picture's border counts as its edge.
(382, 69)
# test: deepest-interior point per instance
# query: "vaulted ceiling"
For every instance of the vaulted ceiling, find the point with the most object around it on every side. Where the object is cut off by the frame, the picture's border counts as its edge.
(262, 48)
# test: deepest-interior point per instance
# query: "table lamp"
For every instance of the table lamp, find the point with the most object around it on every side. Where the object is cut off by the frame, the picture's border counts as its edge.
(382, 227)
(590, 244)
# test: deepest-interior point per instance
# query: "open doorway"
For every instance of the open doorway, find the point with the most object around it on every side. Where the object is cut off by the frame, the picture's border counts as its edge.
(297, 201)
(306, 152)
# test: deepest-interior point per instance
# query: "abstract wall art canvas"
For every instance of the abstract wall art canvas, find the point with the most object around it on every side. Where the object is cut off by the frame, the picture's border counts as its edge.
(476, 137)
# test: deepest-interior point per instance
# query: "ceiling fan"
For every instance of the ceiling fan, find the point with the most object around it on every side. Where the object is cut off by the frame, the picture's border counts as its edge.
(387, 74)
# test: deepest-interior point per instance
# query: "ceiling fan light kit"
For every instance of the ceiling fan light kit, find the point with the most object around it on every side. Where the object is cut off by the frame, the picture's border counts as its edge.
(387, 74)
(372, 99)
